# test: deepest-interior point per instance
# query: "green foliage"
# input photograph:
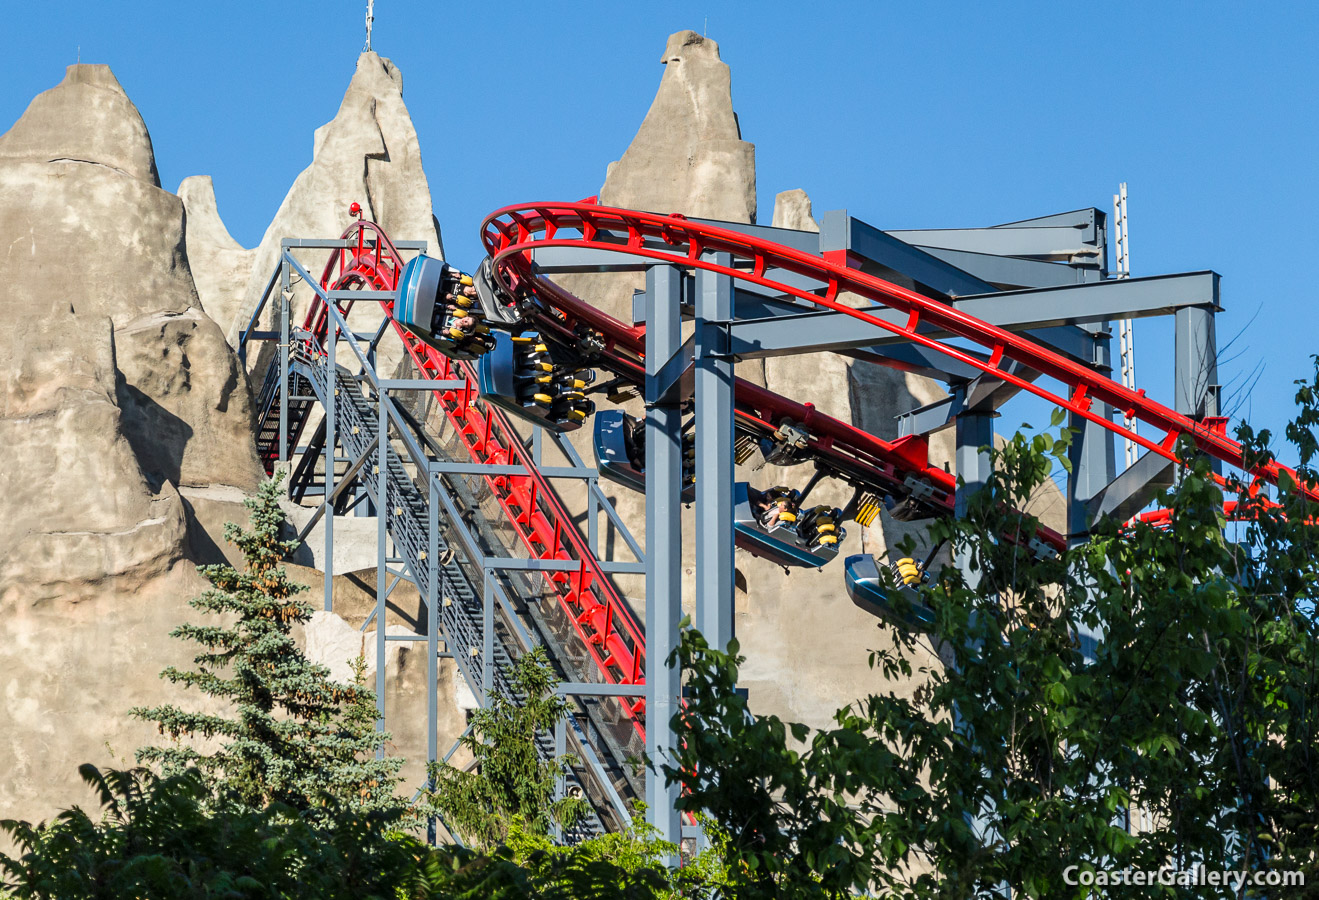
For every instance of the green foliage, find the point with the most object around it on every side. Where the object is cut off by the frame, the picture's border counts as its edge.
(1019, 755)
(1022, 752)
(158, 838)
(294, 736)
(508, 782)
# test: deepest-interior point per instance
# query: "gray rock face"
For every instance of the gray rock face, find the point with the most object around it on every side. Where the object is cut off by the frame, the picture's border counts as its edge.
(689, 155)
(187, 408)
(87, 118)
(792, 209)
(367, 154)
(79, 516)
(115, 388)
(220, 265)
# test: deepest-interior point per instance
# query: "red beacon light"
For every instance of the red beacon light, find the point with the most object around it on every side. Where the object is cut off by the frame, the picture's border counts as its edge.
(355, 210)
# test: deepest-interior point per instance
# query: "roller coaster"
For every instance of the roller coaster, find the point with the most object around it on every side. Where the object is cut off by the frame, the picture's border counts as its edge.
(507, 364)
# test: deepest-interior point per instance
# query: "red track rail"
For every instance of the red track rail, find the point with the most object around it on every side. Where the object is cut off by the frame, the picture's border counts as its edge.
(511, 233)
(602, 619)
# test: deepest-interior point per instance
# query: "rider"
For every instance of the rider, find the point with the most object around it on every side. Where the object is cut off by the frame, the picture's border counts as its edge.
(460, 317)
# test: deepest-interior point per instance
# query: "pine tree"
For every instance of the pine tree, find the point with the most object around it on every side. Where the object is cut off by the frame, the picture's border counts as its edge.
(511, 787)
(294, 736)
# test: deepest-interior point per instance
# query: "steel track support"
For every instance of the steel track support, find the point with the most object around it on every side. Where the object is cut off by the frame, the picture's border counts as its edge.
(713, 388)
(1195, 382)
(331, 402)
(487, 634)
(1093, 455)
(284, 304)
(974, 436)
(382, 555)
(1093, 451)
(663, 547)
(432, 635)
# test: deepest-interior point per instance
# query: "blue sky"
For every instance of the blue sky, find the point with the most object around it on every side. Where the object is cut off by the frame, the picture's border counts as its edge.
(910, 115)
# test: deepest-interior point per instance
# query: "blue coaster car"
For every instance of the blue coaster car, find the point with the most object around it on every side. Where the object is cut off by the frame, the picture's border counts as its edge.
(870, 593)
(421, 309)
(519, 376)
(620, 452)
(786, 542)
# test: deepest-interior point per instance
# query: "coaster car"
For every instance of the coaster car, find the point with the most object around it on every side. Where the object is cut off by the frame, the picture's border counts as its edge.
(497, 305)
(620, 452)
(770, 525)
(901, 605)
(519, 376)
(434, 304)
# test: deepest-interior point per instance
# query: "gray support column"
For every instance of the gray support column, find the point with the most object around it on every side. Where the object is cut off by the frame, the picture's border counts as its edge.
(1093, 453)
(382, 554)
(431, 573)
(331, 400)
(285, 301)
(714, 456)
(663, 546)
(973, 431)
(487, 635)
(560, 780)
(1196, 376)
(974, 436)
(592, 518)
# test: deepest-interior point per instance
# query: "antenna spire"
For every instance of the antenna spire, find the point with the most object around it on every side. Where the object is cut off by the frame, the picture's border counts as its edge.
(370, 17)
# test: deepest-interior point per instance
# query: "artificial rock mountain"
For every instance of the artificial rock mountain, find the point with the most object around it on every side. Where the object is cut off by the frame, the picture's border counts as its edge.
(126, 415)
(132, 417)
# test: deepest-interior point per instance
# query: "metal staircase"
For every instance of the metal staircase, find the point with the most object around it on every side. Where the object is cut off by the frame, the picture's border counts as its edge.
(602, 734)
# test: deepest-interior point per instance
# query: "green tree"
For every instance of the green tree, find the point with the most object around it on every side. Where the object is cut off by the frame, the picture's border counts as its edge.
(1021, 755)
(291, 735)
(509, 784)
(162, 838)
(503, 806)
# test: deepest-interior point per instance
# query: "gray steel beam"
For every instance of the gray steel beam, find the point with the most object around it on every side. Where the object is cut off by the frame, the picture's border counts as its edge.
(1030, 310)
(572, 260)
(382, 546)
(981, 394)
(432, 622)
(1087, 218)
(674, 375)
(971, 457)
(1132, 491)
(806, 241)
(285, 295)
(1093, 459)
(663, 548)
(1048, 241)
(331, 400)
(713, 389)
(1195, 387)
(1095, 302)
(1015, 271)
(974, 438)
(341, 244)
(841, 232)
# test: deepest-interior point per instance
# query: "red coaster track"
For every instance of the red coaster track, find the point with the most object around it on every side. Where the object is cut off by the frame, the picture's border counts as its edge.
(512, 233)
(602, 618)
